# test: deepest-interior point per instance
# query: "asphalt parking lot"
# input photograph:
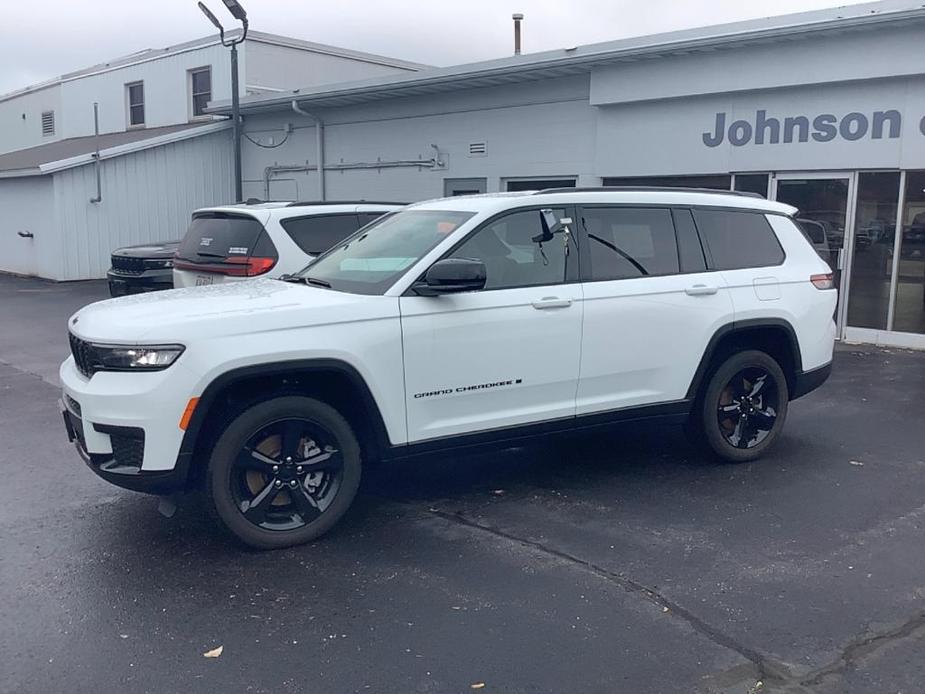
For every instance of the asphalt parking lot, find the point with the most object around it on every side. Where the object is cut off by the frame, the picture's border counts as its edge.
(618, 563)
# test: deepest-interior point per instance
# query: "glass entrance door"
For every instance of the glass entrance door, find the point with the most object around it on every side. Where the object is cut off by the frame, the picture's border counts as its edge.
(826, 217)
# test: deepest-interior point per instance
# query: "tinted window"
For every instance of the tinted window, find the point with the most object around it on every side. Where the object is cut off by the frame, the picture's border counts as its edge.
(316, 234)
(738, 239)
(690, 253)
(220, 235)
(370, 261)
(514, 254)
(814, 231)
(630, 242)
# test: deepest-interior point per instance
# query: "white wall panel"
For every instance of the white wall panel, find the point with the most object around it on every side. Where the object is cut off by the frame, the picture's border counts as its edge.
(21, 119)
(26, 206)
(147, 196)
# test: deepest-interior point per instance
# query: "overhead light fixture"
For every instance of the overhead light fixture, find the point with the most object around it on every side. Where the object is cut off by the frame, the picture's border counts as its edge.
(211, 17)
(236, 10)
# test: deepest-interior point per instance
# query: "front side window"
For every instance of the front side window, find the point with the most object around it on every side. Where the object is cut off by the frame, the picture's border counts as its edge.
(135, 94)
(630, 242)
(373, 259)
(739, 239)
(201, 87)
(516, 254)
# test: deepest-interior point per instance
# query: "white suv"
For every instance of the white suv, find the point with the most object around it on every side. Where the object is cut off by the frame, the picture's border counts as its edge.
(456, 322)
(269, 239)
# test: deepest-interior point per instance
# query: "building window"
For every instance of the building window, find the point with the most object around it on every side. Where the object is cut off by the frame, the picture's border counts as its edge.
(752, 183)
(909, 309)
(135, 95)
(200, 90)
(518, 184)
(718, 182)
(48, 123)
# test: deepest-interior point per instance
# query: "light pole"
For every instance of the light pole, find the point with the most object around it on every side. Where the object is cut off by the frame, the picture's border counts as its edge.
(238, 12)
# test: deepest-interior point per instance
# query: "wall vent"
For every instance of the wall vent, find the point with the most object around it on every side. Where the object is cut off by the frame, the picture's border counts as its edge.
(48, 123)
(478, 149)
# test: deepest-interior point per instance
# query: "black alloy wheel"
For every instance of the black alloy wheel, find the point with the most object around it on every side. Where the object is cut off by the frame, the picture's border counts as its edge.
(748, 405)
(744, 406)
(283, 472)
(287, 474)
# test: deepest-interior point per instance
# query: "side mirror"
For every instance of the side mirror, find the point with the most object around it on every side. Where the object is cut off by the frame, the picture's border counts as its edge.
(452, 276)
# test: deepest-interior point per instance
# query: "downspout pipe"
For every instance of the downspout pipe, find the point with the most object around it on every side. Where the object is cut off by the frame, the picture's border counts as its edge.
(319, 144)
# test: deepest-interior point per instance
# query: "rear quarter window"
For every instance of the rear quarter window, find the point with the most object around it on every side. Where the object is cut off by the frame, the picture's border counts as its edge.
(316, 234)
(738, 239)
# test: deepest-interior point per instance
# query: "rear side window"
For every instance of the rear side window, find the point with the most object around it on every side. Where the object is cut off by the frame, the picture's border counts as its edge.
(220, 235)
(630, 242)
(738, 239)
(690, 252)
(318, 233)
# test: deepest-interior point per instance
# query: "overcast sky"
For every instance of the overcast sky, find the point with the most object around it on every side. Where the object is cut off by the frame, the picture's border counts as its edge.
(50, 37)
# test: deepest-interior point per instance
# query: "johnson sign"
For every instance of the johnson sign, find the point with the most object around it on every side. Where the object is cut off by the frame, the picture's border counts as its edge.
(825, 127)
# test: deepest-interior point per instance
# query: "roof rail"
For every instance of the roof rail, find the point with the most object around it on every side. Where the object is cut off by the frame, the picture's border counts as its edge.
(309, 203)
(654, 189)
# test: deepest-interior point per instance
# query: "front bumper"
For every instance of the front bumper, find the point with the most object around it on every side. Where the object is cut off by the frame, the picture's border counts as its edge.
(121, 284)
(126, 426)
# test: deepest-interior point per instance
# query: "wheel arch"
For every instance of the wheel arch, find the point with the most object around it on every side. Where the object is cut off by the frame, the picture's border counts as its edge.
(333, 381)
(776, 336)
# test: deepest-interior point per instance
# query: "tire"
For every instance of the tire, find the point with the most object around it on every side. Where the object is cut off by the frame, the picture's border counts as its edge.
(744, 407)
(283, 472)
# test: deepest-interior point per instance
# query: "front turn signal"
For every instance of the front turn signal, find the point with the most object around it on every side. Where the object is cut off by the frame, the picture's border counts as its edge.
(188, 413)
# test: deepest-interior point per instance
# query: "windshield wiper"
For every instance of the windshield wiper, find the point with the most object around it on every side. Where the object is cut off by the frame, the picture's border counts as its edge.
(318, 283)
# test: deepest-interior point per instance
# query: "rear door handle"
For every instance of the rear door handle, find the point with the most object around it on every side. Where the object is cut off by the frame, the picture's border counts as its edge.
(551, 302)
(700, 290)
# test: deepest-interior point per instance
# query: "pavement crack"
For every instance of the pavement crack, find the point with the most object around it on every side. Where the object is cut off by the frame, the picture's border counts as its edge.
(768, 670)
(856, 650)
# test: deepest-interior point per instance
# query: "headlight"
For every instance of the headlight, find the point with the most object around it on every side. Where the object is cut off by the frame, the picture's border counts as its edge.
(150, 358)
(158, 264)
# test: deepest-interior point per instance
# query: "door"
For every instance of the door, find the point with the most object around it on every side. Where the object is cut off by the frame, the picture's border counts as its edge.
(506, 355)
(651, 307)
(826, 198)
(464, 186)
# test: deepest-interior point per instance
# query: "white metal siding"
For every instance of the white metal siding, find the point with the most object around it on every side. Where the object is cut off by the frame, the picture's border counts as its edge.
(17, 132)
(147, 196)
(283, 67)
(26, 206)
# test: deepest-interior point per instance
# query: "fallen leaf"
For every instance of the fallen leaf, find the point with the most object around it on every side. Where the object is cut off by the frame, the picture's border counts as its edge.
(214, 653)
(477, 685)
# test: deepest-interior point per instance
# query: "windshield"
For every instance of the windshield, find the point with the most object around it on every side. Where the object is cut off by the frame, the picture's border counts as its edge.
(370, 261)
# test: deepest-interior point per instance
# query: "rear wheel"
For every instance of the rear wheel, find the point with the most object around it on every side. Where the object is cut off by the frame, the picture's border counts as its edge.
(283, 472)
(744, 406)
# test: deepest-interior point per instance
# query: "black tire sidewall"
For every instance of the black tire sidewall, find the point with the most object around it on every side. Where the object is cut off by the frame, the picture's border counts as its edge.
(709, 424)
(229, 445)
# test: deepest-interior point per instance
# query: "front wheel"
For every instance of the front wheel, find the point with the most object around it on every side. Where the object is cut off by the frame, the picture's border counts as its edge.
(744, 406)
(283, 472)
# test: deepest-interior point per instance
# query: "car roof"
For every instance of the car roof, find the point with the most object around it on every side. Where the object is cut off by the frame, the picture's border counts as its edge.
(283, 208)
(499, 202)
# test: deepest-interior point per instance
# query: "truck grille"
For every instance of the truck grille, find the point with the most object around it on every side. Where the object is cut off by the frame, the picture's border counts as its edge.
(84, 357)
(128, 266)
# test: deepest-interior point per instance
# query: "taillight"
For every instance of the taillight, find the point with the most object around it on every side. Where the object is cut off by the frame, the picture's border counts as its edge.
(235, 266)
(248, 267)
(823, 281)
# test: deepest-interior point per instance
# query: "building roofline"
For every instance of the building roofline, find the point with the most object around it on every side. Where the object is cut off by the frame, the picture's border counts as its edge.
(582, 58)
(151, 54)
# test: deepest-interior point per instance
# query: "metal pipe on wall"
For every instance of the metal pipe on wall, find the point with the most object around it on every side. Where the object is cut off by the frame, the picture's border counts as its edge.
(96, 155)
(319, 144)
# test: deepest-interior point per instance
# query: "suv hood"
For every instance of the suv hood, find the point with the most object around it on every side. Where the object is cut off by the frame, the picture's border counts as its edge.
(179, 315)
(160, 249)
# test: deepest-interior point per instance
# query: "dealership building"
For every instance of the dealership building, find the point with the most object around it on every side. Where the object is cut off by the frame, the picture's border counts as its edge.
(823, 110)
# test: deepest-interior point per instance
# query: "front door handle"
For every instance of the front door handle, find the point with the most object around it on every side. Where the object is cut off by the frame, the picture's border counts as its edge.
(700, 290)
(551, 302)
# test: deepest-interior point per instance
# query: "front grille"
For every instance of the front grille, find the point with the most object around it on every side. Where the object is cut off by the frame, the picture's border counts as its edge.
(128, 266)
(128, 451)
(83, 355)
